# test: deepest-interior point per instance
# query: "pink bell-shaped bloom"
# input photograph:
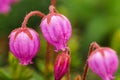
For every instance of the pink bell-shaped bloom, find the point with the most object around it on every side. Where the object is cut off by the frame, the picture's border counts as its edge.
(104, 62)
(56, 29)
(61, 65)
(24, 43)
(5, 5)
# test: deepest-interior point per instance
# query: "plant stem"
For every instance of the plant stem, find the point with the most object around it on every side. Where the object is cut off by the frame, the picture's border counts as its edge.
(93, 46)
(85, 71)
(32, 13)
(68, 72)
(48, 56)
(53, 2)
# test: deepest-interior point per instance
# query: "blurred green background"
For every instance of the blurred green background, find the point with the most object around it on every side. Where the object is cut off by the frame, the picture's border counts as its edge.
(92, 20)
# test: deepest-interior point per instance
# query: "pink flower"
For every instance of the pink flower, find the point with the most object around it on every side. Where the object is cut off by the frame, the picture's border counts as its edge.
(103, 62)
(24, 44)
(61, 65)
(57, 30)
(5, 5)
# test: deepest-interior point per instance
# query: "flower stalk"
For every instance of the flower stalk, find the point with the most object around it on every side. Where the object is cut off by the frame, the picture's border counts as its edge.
(48, 56)
(32, 13)
(68, 73)
(53, 2)
(93, 46)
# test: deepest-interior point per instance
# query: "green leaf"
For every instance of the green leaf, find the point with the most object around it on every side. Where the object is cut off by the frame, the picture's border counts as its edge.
(37, 76)
(4, 74)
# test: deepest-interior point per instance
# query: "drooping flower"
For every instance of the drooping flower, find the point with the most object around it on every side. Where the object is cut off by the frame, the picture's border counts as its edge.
(61, 65)
(24, 44)
(56, 29)
(104, 62)
(5, 5)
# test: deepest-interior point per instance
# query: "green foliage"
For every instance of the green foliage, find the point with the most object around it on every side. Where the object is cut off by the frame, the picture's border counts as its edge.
(116, 41)
(15, 71)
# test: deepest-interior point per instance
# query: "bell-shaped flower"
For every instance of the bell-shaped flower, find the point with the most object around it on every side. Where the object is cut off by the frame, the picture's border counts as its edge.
(56, 29)
(104, 62)
(24, 43)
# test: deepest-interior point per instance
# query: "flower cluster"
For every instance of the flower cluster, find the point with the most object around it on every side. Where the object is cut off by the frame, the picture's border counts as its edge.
(56, 29)
(5, 5)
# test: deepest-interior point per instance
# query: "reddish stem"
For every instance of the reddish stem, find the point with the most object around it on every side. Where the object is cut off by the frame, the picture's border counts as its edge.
(68, 72)
(93, 46)
(85, 71)
(48, 55)
(53, 2)
(32, 13)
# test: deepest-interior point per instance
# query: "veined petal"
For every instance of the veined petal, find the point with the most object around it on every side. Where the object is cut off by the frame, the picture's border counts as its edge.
(22, 46)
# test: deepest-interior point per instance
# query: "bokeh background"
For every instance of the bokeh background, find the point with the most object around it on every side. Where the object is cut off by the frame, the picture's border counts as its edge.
(92, 20)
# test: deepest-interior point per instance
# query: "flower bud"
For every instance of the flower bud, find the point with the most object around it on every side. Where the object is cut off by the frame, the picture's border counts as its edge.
(61, 65)
(56, 29)
(24, 44)
(104, 62)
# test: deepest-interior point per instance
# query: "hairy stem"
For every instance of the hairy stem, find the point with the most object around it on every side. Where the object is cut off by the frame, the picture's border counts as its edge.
(32, 13)
(93, 46)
